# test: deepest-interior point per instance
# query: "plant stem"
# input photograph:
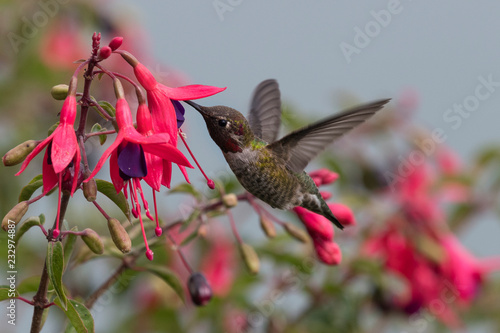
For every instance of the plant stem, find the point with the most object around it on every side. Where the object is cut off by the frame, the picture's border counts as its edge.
(40, 300)
(126, 263)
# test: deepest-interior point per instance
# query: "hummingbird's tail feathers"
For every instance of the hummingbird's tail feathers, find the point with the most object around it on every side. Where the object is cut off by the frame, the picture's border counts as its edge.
(329, 215)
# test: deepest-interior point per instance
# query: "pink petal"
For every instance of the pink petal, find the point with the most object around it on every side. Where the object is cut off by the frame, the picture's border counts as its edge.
(68, 111)
(133, 136)
(36, 151)
(194, 91)
(49, 177)
(77, 170)
(64, 147)
(167, 152)
(184, 173)
(163, 114)
(155, 171)
(105, 155)
(145, 77)
(167, 174)
(114, 171)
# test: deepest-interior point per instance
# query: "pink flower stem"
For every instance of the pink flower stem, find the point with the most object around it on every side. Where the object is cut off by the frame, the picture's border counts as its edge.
(179, 252)
(106, 216)
(149, 253)
(43, 229)
(25, 300)
(100, 133)
(38, 197)
(261, 210)
(209, 181)
(233, 226)
(55, 231)
(101, 109)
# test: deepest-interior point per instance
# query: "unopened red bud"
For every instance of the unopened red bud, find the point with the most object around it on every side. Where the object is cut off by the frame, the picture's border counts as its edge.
(17, 154)
(59, 92)
(230, 200)
(104, 52)
(211, 184)
(250, 258)
(296, 233)
(93, 241)
(15, 215)
(89, 188)
(119, 235)
(115, 43)
(267, 226)
(199, 289)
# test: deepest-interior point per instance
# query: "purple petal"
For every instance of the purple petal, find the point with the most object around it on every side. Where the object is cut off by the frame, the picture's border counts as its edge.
(179, 112)
(132, 162)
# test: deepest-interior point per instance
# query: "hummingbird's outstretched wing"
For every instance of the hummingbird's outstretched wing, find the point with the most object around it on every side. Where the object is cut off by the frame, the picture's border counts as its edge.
(265, 110)
(301, 146)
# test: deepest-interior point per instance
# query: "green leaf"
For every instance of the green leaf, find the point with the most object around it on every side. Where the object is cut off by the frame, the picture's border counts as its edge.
(110, 109)
(79, 316)
(169, 277)
(186, 188)
(42, 219)
(29, 285)
(55, 266)
(109, 190)
(53, 128)
(27, 225)
(68, 246)
(5, 291)
(29, 189)
(98, 128)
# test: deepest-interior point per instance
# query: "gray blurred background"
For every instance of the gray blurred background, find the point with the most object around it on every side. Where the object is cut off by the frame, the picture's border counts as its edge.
(320, 49)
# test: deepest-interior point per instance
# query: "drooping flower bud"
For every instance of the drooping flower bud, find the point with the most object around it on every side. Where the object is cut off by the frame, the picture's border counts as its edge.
(328, 252)
(199, 289)
(15, 214)
(89, 188)
(343, 213)
(250, 258)
(18, 154)
(230, 200)
(119, 235)
(59, 92)
(104, 52)
(296, 233)
(267, 226)
(93, 241)
(115, 43)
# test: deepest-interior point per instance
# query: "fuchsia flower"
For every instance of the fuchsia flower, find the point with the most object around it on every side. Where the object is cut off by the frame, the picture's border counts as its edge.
(452, 280)
(130, 162)
(164, 109)
(62, 151)
(218, 266)
(319, 227)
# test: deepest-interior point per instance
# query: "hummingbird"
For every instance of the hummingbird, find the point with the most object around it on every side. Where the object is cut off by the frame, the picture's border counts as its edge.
(273, 170)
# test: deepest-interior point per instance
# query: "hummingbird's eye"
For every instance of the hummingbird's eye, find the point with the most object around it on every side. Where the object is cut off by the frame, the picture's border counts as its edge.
(222, 122)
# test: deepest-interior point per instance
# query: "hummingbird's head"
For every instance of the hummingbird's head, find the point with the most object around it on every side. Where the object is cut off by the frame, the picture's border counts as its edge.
(227, 127)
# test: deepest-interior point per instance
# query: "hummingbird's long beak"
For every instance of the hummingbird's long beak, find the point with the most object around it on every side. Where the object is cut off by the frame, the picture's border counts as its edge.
(198, 107)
